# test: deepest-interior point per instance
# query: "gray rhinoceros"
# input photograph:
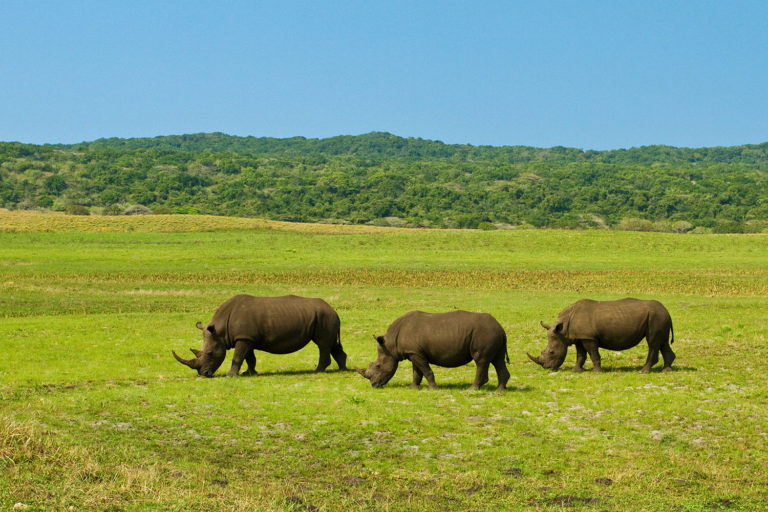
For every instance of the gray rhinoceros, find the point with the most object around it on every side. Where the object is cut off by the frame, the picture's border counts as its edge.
(612, 324)
(277, 325)
(444, 339)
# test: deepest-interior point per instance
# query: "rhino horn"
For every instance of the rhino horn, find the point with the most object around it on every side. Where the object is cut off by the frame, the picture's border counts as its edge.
(192, 363)
(362, 372)
(547, 327)
(536, 360)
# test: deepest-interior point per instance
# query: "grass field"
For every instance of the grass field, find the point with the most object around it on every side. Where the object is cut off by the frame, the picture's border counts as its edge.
(95, 414)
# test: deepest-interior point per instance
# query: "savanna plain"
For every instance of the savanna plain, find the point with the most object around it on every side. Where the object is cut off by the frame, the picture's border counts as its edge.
(95, 414)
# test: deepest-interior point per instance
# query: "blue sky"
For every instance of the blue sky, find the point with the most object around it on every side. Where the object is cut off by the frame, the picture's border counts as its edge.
(586, 74)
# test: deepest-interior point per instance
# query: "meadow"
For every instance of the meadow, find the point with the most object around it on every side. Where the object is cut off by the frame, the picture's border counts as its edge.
(95, 414)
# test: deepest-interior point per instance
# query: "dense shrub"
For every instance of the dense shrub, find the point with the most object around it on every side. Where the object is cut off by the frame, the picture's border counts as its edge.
(137, 209)
(77, 209)
(756, 226)
(728, 226)
(113, 209)
(681, 226)
(633, 224)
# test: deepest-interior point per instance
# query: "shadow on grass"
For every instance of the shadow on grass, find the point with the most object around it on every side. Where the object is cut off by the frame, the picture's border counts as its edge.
(636, 369)
(490, 387)
(458, 386)
(279, 373)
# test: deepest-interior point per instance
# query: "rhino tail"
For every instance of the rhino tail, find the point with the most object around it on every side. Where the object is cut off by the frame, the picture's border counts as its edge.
(672, 330)
(338, 352)
(506, 349)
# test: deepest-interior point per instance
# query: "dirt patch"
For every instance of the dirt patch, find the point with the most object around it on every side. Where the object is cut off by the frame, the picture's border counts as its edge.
(565, 501)
(298, 502)
(353, 480)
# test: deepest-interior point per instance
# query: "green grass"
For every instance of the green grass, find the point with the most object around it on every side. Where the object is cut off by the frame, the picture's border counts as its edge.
(95, 414)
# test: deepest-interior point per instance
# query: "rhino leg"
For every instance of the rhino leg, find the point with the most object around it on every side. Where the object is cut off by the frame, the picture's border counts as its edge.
(417, 376)
(324, 361)
(668, 355)
(339, 356)
(653, 356)
(422, 365)
(241, 351)
(250, 358)
(581, 357)
(594, 355)
(501, 371)
(666, 350)
(327, 342)
(481, 373)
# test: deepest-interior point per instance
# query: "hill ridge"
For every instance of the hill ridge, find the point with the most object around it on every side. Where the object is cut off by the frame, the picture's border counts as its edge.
(384, 179)
(380, 143)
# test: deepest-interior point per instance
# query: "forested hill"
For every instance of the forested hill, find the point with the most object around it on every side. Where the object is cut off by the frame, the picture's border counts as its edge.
(388, 180)
(380, 144)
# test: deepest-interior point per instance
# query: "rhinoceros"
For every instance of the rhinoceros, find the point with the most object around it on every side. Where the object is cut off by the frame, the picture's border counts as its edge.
(277, 325)
(444, 339)
(614, 325)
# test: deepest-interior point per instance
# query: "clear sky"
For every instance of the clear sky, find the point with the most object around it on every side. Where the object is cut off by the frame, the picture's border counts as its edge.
(586, 74)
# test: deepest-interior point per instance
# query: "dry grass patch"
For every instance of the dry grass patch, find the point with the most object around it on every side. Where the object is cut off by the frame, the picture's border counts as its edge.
(31, 221)
(20, 443)
(727, 283)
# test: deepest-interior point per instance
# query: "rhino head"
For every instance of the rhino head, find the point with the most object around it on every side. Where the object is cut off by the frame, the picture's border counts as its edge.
(383, 368)
(553, 355)
(209, 358)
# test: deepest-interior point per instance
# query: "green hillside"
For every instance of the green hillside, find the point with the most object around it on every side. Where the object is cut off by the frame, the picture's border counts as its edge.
(383, 179)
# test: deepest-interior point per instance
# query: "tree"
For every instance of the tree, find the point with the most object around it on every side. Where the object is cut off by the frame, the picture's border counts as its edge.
(54, 184)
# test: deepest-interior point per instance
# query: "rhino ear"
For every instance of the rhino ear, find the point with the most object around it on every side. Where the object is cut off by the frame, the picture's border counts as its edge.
(379, 339)
(211, 329)
(199, 325)
(547, 327)
(559, 327)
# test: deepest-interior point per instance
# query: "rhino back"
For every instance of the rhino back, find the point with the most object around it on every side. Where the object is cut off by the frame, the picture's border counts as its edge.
(278, 325)
(615, 324)
(447, 339)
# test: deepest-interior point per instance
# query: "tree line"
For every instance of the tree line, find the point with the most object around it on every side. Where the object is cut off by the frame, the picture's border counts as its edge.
(383, 179)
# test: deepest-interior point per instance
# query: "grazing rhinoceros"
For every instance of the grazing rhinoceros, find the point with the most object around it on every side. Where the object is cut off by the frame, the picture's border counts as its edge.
(444, 339)
(278, 325)
(612, 324)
